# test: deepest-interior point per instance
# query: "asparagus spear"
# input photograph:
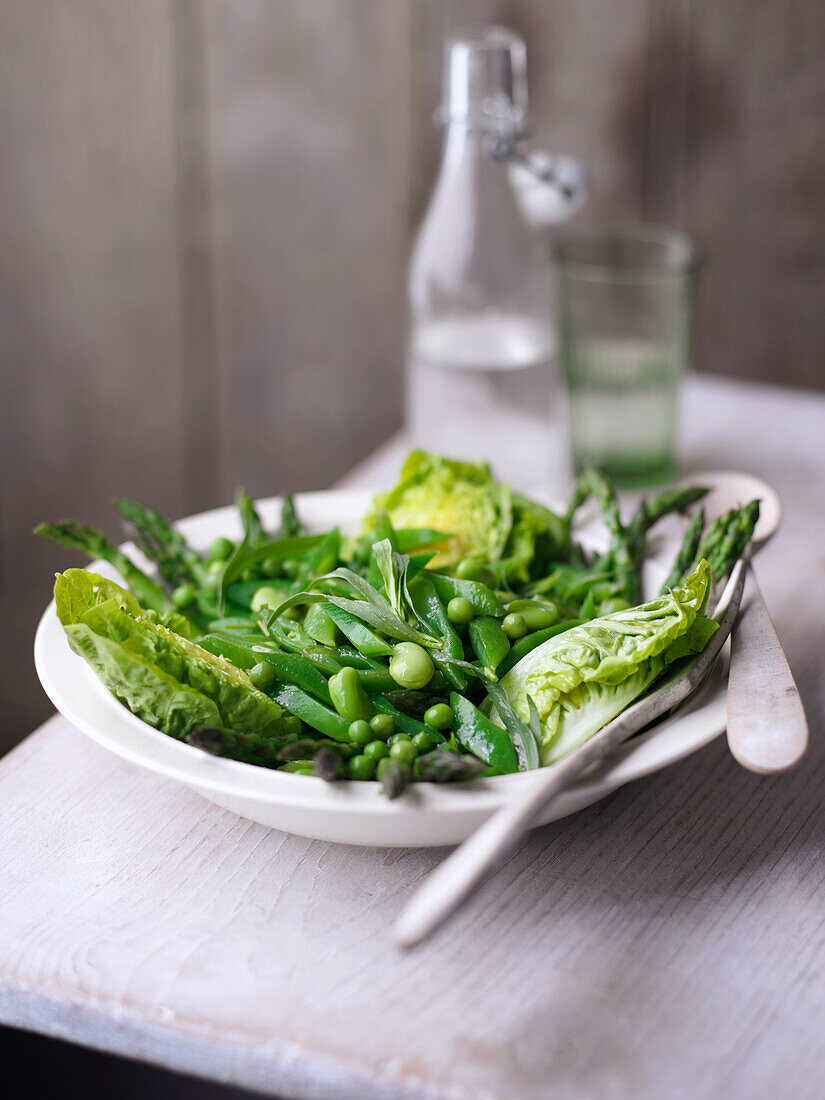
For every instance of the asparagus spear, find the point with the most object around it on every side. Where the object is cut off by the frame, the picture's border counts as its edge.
(727, 538)
(252, 748)
(724, 542)
(687, 551)
(622, 555)
(253, 529)
(177, 562)
(673, 500)
(91, 541)
(446, 767)
(290, 524)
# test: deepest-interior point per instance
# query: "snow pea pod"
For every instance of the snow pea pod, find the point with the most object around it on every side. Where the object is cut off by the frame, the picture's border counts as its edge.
(528, 643)
(483, 599)
(323, 658)
(240, 655)
(290, 668)
(313, 712)
(294, 669)
(367, 641)
(376, 679)
(349, 655)
(490, 644)
(319, 625)
(429, 606)
(483, 738)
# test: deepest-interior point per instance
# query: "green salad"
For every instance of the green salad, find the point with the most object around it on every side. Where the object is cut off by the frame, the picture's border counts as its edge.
(464, 632)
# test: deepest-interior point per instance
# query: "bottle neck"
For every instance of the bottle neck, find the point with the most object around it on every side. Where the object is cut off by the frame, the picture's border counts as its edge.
(467, 162)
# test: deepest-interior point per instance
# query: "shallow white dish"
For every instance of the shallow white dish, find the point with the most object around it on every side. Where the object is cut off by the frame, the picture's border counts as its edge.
(349, 813)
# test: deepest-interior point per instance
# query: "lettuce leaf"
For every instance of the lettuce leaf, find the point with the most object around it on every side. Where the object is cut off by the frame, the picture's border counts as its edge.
(460, 498)
(581, 679)
(162, 677)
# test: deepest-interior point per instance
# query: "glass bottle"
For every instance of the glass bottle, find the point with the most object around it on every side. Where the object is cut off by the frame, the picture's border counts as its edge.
(480, 337)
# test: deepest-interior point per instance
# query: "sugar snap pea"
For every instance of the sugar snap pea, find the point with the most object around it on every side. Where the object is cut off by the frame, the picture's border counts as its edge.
(313, 712)
(483, 599)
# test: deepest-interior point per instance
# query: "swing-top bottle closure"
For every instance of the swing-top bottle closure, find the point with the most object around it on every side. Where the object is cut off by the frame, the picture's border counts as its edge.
(484, 89)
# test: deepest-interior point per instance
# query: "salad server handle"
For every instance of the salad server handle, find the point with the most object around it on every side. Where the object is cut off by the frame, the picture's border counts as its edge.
(767, 728)
(456, 879)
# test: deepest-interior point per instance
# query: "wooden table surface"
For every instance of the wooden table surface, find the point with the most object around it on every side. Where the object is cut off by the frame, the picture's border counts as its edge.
(667, 942)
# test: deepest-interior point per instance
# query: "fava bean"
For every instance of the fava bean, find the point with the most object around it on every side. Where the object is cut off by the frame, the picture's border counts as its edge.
(411, 666)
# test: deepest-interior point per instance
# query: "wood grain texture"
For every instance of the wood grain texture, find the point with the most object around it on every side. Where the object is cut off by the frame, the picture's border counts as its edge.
(740, 86)
(309, 109)
(667, 942)
(704, 116)
(91, 396)
(588, 75)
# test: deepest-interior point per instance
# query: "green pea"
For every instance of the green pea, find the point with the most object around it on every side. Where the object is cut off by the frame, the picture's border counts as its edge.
(216, 568)
(183, 595)
(293, 726)
(220, 549)
(262, 675)
(423, 742)
(382, 725)
(348, 695)
(472, 569)
(266, 597)
(399, 738)
(271, 567)
(439, 717)
(250, 574)
(404, 751)
(361, 767)
(460, 611)
(376, 750)
(411, 666)
(514, 626)
(360, 732)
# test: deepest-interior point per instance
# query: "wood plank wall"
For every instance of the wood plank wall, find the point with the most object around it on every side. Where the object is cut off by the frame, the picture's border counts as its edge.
(206, 209)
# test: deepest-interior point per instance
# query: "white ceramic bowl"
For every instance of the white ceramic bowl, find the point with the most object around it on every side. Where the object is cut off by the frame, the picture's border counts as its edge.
(350, 813)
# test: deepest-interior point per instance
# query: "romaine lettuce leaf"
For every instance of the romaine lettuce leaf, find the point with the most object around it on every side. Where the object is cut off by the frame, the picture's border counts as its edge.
(163, 678)
(460, 498)
(581, 679)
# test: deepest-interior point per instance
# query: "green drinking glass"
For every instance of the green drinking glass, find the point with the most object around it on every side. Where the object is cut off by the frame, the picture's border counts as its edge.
(626, 304)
